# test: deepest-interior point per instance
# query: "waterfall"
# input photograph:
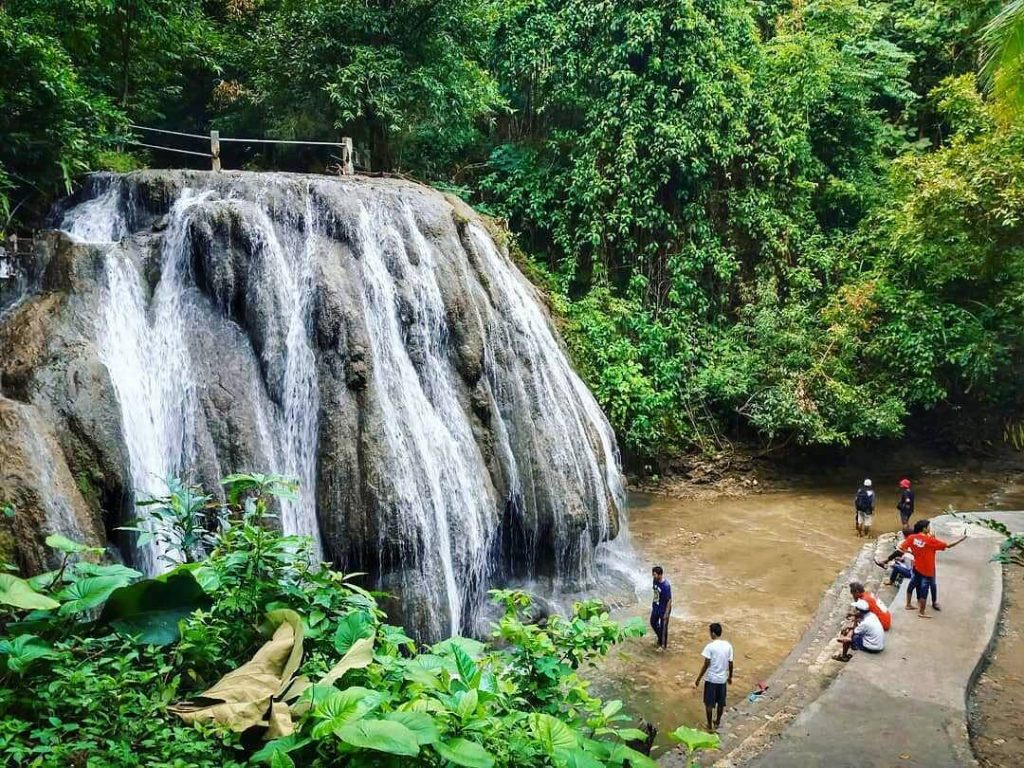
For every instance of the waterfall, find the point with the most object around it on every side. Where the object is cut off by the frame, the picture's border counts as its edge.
(373, 342)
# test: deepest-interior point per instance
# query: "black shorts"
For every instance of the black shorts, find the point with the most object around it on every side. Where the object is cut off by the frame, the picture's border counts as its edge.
(714, 693)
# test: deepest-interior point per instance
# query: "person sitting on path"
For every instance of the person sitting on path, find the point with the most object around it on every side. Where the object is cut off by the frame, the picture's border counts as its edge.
(866, 634)
(875, 605)
(661, 607)
(905, 506)
(903, 568)
(864, 508)
(924, 546)
(718, 666)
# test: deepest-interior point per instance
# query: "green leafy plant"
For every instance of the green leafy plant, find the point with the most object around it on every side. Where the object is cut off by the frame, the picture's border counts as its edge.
(261, 637)
(694, 740)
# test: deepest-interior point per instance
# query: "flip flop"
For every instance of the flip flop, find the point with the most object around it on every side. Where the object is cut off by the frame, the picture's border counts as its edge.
(841, 658)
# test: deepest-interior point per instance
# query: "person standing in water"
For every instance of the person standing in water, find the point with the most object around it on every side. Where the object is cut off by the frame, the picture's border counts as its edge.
(718, 666)
(661, 607)
(864, 508)
(905, 506)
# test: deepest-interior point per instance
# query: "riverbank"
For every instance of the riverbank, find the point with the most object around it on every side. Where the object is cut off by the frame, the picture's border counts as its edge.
(998, 694)
(759, 561)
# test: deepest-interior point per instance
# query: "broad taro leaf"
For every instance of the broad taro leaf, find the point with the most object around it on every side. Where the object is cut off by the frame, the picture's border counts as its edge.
(69, 547)
(18, 593)
(22, 650)
(87, 593)
(619, 754)
(695, 739)
(473, 648)
(114, 569)
(150, 610)
(280, 746)
(422, 725)
(465, 753)
(381, 735)
(334, 709)
(355, 626)
(551, 733)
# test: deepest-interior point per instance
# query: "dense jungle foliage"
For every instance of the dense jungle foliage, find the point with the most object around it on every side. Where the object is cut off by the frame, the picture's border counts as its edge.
(246, 652)
(784, 222)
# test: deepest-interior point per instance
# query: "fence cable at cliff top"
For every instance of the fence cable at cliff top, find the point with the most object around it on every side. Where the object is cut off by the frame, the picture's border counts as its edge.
(215, 139)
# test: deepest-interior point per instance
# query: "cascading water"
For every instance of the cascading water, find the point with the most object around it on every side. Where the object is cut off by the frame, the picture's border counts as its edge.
(370, 339)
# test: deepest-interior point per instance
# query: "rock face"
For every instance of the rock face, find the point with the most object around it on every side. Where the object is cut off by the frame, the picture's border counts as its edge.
(367, 337)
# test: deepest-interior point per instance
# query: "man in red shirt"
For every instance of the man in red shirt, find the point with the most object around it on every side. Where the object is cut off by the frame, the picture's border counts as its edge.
(923, 546)
(874, 604)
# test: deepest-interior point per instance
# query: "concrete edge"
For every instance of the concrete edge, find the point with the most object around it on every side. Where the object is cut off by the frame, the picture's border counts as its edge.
(754, 726)
(757, 726)
(985, 658)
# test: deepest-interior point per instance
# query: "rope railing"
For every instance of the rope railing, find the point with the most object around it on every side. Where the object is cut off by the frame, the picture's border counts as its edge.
(345, 145)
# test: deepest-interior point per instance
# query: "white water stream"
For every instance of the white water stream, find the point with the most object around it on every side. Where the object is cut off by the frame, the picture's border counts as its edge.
(433, 487)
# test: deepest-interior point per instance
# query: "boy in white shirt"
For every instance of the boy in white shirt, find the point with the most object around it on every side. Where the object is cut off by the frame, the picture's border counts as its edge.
(718, 666)
(867, 633)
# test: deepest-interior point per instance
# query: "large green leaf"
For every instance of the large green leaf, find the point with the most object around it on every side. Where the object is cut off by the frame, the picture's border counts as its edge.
(281, 746)
(67, 546)
(551, 733)
(22, 650)
(334, 709)
(19, 594)
(619, 754)
(694, 739)
(355, 626)
(420, 724)
(473, 648)
(467, 702)
(150, 610)
(578, 758)
(465, 753)
(114, 569)
(382, 735)
(87, 593)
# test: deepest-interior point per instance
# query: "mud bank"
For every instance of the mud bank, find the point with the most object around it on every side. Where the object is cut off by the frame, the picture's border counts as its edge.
(760, 562)
(998, 693)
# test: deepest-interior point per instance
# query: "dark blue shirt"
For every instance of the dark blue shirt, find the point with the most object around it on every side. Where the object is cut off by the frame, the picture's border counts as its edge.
(662, 594)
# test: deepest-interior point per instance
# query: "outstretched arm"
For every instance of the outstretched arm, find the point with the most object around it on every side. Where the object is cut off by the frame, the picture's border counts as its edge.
(958, 541)
(704, 669)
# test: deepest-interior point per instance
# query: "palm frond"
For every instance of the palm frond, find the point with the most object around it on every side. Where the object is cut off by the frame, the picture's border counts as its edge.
(1002, 65)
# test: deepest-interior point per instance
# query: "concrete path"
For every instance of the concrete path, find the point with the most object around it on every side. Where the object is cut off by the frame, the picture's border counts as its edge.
(907, 706)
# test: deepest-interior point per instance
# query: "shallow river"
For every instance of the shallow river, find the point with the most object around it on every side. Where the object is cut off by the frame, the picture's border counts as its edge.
(759, 565)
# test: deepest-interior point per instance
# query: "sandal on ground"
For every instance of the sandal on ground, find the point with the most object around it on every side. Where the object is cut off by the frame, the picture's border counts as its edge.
(935, 607)
(840, 657)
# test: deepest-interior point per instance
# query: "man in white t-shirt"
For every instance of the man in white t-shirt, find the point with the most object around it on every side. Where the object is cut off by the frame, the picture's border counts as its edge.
(718, 666)
(866, 635)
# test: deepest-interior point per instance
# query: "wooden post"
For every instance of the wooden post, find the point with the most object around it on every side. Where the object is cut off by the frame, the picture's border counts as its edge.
(215, 149)
(346, 156)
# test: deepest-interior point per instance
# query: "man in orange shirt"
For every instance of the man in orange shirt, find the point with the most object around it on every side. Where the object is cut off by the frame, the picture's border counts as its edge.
(923, 546)
(875, 605)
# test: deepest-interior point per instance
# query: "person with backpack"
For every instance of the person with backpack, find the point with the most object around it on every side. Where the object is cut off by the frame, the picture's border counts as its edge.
(905, 505)
(864, 508)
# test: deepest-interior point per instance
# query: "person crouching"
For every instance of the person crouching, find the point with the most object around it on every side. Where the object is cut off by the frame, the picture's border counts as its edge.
(863, 633)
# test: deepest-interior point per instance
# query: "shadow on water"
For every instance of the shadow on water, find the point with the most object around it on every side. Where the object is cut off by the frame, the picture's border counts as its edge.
(759, 565)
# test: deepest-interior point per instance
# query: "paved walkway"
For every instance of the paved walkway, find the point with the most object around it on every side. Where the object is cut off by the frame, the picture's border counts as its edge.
(907, 706)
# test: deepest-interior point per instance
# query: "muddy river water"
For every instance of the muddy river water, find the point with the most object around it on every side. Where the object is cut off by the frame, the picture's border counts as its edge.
(758, 565)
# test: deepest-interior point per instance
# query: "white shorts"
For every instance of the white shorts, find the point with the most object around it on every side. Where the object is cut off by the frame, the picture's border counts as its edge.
(864, 519)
